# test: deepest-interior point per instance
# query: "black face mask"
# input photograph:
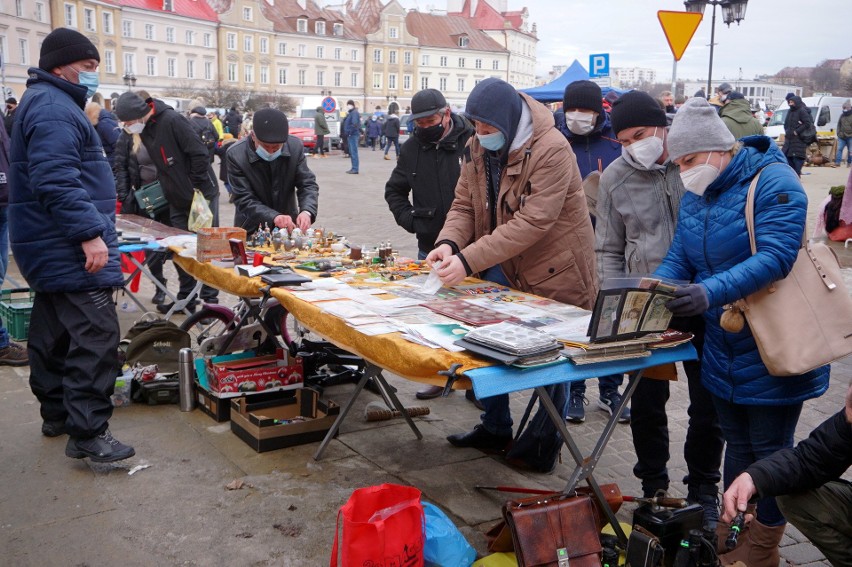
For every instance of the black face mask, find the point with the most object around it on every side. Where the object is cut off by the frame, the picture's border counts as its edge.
(430, 134)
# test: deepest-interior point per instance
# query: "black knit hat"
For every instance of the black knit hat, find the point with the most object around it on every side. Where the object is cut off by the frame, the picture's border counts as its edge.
(130, 106)
(199, 110)
(583, 94)
(64, 46)
(11, 100)
(636, 108)
(271, 126)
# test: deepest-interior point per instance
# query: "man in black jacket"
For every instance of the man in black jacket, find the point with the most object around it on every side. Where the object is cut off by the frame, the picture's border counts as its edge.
(270, 178)
(233, 122)
(796, 124)
(428, 167)
(806, 480)
(183, 164)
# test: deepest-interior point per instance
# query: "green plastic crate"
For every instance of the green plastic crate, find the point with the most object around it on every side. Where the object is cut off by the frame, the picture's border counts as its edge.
(16, 305)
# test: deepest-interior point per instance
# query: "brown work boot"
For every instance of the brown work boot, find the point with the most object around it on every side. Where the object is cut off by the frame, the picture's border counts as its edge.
(759, 547)
(14, 354)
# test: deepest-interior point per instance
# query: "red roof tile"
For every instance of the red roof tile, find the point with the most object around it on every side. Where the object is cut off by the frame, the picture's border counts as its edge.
(444, 31)
(195, 9)
(284, 13)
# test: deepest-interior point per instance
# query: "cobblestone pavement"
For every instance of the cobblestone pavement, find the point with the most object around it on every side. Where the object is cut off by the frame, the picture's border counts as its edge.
(56, 511)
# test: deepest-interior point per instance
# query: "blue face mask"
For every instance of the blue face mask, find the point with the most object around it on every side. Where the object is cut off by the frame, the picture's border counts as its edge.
(266, 155)
(90, 80)
(493, 142)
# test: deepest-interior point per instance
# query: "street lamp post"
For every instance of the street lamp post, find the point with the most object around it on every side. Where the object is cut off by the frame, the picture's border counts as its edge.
(129, 80)
(732, 11)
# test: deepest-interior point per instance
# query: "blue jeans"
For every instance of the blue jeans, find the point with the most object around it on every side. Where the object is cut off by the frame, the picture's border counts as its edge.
(4, 263)
(395, 142)
(843, 143)
(752, 433)
(497, 418)
(353, 151)
(796, 163)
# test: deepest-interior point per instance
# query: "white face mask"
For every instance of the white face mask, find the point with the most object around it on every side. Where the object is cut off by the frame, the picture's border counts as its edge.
(646, 151)
(697, 179)
(580, 123)
(135, 128)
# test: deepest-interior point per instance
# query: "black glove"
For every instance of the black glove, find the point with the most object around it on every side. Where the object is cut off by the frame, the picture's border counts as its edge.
(689, 300)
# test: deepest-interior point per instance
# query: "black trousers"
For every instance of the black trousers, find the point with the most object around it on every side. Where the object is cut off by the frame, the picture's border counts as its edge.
(73, 352)
(649, 424)
(180, 219)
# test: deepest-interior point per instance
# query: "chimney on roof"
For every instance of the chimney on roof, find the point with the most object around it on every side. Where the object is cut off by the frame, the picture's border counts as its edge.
(303, 4)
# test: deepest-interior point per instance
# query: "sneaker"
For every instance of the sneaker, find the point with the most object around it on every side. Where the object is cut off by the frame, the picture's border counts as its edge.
(608, 401)
(386, 157)
(103, 448)
(576, 411)
(53, 428)
(13, 354)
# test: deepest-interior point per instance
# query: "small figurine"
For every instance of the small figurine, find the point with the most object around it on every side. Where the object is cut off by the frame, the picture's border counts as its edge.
(276, 239)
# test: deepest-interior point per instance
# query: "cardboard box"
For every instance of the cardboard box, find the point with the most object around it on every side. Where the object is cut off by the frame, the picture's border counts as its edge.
(219, 408)
(239, 374)
(263, 425)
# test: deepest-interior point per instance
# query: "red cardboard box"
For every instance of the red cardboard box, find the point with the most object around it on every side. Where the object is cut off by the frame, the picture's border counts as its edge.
(272, 372)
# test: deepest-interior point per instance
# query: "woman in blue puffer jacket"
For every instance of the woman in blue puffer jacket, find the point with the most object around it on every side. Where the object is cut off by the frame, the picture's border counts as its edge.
(758, 412)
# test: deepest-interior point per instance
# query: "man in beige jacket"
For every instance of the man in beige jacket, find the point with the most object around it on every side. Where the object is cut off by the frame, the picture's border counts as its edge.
(519, 218)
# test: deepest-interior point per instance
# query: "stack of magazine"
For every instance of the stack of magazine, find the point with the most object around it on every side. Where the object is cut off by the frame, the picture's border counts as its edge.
(511, 343)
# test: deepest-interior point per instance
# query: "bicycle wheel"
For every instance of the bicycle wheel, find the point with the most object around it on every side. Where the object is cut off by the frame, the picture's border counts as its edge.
(206, 323)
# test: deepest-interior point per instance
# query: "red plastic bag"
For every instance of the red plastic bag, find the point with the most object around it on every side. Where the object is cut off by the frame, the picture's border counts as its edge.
(382, 526)
(127, 267)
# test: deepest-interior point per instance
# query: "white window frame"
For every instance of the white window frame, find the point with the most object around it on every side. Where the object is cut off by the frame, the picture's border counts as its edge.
(319, 28)
(151, 65)
(461, 84)
(406, 58)
(127, 28)
(248, 73)
(171, 67)
(320, 52)
(338, 53)
(282, 75)
(353, 79)
(130, 63)
(377, 56)
(232, 72)
(406, 82)
(338, 78)
(248, 43)
(39, 11)
(109, 61)
(108, 27)
(302, 50)
(478, 63)
(424, 60)
(263, 45)
(89, 19)
(393, 32)
(424, 83)
(190, 68)
(282, 48)
(320, 78)
(19, 8)
(264, 74)
(495, 65)
(231, 41)
(69, 13)
(337, 29)
(464, 41)
(392, 57)
(442, 84)
(208, 70)
(170, 34)
(24, 46)
(303, 77)
(207, 39)
(354, 55)
(377, 81)
(150, 33)
(392, 81)
(190, 37)
(302, 25)
(461, 62)
(248, 16)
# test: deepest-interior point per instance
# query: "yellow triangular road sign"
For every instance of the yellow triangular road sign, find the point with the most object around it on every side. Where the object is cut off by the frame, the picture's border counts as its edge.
(679, 28)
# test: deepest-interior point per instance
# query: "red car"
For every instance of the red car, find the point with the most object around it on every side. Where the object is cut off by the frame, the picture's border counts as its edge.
(303, 128)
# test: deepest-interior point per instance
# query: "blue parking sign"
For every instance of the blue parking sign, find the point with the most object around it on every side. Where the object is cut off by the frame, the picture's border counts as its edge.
(599, 65)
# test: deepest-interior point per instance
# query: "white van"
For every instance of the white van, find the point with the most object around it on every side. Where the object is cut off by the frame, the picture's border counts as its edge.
(825, 110)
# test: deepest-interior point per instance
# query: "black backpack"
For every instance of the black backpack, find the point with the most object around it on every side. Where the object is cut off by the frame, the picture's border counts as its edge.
(539, 444)
(206, 132)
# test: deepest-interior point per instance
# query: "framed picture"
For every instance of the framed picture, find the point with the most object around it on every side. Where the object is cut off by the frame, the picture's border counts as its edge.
(632, 310)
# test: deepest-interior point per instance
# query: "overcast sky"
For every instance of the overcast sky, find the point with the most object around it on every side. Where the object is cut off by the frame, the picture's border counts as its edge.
(773, 35)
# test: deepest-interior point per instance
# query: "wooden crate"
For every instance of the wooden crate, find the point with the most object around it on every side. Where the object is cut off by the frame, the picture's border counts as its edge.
(213, 242)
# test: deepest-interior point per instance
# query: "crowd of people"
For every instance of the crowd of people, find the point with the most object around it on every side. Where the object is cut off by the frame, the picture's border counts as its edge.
(495, 192)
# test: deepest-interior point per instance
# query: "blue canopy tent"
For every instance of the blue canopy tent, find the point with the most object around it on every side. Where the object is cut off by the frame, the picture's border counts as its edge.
(553, 91)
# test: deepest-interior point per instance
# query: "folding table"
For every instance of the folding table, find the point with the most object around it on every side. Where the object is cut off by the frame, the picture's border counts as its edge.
(493, 380)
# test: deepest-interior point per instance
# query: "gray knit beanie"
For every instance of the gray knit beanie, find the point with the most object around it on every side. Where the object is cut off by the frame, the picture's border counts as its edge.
(697, 128)
(130, 106)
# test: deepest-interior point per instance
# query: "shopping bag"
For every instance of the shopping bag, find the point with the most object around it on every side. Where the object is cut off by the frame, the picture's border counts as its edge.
(445, 544)
(382, 525)
(200, 215)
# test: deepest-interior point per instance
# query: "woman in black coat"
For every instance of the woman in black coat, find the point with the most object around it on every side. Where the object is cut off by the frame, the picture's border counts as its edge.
(797, 122)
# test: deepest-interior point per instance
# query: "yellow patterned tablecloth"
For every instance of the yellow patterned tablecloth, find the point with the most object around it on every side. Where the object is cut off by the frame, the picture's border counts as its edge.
(389, 351)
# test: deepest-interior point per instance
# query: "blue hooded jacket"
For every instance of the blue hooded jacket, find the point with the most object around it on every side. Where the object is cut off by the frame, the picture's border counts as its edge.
(711, 247)
(594, 151)
(62, 189)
